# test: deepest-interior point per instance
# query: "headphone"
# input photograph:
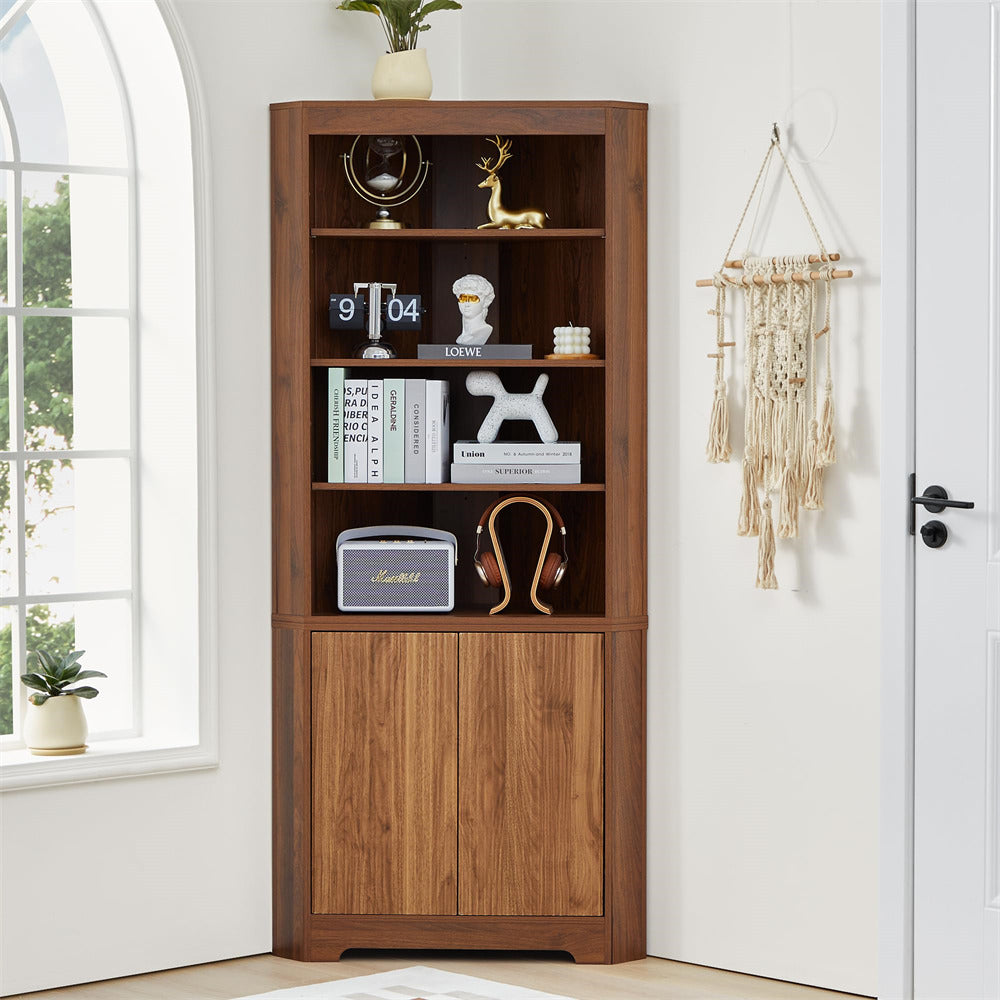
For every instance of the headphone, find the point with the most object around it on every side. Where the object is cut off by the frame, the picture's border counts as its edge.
(492, 568)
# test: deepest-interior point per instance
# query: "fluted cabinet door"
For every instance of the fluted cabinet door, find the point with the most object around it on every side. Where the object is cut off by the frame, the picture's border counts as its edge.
(384, 767)
(531, 777)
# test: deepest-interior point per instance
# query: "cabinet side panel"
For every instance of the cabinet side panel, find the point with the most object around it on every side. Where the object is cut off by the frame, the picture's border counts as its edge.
(290, 389)
(625, 323)
(626, 790)
(531, 776)
(290, 791)
(384, 772)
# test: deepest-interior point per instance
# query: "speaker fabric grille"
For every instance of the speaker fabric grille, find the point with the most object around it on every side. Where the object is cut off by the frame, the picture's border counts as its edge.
(363, 573)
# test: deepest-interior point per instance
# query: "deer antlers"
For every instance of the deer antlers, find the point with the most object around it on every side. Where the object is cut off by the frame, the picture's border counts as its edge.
(502, 149)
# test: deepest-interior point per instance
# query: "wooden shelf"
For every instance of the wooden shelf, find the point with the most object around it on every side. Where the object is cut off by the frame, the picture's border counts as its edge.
(462, 487)
(453, 363)
(461, 620)
(461, 235)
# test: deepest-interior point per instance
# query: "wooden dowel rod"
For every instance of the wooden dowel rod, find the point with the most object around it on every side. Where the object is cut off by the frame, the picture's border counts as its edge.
(774, 279)
(814, 258)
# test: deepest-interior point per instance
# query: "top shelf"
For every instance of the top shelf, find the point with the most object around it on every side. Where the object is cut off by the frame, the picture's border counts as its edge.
(461, 235)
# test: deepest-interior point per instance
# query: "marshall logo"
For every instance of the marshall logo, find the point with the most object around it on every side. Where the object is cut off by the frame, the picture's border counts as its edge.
(382, 577)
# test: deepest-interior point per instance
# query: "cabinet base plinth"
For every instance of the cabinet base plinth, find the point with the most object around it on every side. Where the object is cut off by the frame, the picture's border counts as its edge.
(586, 939)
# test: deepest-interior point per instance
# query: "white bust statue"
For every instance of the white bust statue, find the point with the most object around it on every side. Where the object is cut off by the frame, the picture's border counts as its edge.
(474, 294)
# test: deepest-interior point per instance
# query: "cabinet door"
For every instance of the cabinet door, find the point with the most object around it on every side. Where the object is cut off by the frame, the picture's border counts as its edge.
(384, 769)
(531, 779)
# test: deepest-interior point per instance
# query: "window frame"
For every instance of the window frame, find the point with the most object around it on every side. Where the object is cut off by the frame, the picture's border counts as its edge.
(129, 753)
(19, 457)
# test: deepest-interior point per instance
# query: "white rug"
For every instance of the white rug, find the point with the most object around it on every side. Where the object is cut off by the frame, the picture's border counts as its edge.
(416, 983)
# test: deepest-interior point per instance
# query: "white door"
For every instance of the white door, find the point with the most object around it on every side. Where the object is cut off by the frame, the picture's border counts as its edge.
(956, 902)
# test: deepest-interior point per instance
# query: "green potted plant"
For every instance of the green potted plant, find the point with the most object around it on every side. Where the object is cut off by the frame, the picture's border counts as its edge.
(403, 71)
(55, 724)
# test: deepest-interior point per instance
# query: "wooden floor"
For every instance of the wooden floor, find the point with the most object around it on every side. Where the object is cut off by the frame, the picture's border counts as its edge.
(650, 979)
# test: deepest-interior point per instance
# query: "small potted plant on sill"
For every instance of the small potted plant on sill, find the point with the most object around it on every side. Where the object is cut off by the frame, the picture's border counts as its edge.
(55, 724)
(402, 73)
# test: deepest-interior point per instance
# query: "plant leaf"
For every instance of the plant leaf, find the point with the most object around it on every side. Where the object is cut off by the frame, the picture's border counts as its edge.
(83, 692)
(369, 8)
(434, 5)
(36, 681)
(45, 661)
(38, 699)
(85, 674)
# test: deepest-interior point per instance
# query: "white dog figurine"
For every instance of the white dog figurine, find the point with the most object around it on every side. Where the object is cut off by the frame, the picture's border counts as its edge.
(511, 406)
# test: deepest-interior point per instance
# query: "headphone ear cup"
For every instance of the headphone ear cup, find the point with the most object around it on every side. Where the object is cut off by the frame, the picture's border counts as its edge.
(550, 570)
(491, 569)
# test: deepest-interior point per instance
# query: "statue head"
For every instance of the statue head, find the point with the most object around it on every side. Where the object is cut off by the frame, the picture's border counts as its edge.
(474, 294)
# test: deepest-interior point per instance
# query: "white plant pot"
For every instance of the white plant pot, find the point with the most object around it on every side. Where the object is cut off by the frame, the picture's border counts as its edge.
(56, 728)
(402, 76)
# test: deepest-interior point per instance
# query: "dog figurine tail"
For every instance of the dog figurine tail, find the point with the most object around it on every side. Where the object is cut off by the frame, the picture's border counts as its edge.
(540, 384)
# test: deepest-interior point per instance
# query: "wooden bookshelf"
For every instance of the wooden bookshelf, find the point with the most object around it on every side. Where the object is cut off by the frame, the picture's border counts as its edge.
(392, 828)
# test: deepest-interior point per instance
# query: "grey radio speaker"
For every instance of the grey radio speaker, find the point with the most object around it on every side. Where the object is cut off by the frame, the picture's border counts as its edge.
(396, 567)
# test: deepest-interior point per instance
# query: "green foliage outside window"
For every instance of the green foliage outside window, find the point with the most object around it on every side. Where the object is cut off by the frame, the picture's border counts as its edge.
(48, 394)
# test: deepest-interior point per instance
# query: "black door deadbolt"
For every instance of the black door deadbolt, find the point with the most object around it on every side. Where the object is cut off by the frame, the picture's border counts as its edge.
(934, 534)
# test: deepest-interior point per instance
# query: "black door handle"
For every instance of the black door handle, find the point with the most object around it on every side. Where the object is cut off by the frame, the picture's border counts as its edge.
(934, 499)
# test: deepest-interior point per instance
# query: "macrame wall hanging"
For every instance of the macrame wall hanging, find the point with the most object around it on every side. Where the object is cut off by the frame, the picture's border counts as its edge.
(789, 438)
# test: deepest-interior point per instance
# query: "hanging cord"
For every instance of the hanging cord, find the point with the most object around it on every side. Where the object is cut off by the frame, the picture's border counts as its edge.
(802, 201)
(748, 522)
(812, 498)
(746, 207)
(718, 448)
(826, 452)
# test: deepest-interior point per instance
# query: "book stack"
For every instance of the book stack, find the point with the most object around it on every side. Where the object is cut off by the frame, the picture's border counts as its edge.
(516, 462)
(390, 430)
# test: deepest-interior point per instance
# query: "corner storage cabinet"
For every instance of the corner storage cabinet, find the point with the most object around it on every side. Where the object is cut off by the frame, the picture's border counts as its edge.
(463, 780)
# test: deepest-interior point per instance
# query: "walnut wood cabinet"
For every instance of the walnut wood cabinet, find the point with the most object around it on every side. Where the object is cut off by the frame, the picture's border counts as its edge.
(462, 780)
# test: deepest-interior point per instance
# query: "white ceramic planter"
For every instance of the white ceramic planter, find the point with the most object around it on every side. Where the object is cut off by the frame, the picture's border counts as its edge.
(56, 728)
(402, 76)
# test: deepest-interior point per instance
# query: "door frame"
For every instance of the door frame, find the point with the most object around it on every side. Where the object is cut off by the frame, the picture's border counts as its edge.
(898, 130)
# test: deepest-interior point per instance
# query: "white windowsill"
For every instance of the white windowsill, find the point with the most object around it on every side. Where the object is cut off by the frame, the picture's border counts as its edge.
(103, 760)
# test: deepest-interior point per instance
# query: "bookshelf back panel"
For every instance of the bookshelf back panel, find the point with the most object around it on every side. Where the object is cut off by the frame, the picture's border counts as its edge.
(574, 398)
(562, 175)
(537, 284)
(520, 528)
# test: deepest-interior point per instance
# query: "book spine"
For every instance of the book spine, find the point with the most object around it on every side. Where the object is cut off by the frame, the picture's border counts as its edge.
(393, 430)
(438, 426)
(463, 473)
(335, 426)
(413, 462)
(355, 430)
(514, 452)
(375, 457)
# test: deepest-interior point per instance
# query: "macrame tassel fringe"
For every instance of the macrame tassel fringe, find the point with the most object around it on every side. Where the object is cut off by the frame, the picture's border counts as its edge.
(788, 517)
(718, 448)
(812, 499)
(827, 449)
(765, 549)
(749, 520)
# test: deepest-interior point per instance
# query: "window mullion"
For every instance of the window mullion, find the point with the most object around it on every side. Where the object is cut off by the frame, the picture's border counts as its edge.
(15, 341)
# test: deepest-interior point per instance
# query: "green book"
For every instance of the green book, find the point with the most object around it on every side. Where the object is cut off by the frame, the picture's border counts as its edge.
(393, 430)
(335, 426)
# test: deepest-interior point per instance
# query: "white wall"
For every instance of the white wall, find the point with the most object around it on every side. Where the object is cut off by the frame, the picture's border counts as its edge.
(763, 706)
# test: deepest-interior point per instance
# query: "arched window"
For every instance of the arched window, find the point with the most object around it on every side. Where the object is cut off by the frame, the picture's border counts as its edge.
(100, 443)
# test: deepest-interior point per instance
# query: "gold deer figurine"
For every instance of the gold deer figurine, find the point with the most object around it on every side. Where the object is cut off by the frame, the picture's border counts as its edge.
(500, 217)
